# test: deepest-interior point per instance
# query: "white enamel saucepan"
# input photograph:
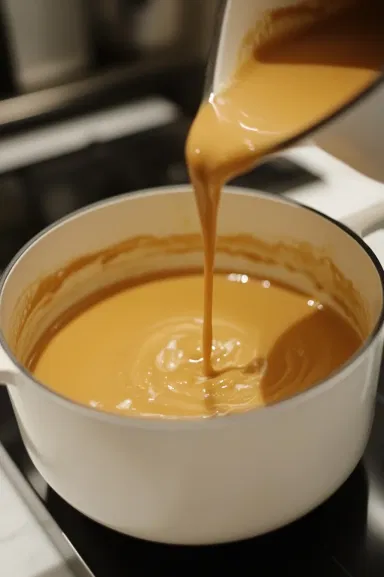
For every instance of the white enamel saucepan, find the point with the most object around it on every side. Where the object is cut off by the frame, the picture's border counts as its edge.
(207, 480)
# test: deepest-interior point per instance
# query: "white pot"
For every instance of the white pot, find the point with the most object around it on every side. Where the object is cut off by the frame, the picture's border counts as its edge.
(210, 480)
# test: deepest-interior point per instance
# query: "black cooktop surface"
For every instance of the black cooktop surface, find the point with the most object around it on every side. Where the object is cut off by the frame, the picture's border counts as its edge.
(342, 538)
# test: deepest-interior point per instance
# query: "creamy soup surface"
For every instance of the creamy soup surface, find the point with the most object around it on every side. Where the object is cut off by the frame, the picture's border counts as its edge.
(140, 350)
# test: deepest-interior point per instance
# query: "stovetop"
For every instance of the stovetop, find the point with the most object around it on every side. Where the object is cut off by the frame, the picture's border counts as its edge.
(343, 537)
(33, 196)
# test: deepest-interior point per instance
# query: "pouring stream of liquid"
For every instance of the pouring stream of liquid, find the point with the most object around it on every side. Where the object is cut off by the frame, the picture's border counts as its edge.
(278, 92)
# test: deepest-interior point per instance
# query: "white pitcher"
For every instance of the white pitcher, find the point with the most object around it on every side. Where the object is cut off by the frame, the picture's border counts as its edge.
(354, 135)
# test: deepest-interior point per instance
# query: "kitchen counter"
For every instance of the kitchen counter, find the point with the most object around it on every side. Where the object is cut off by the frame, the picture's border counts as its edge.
(25, 548)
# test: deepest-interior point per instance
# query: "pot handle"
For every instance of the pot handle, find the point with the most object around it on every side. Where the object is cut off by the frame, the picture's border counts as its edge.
(334, 172)
(8, 371)
(366, 221)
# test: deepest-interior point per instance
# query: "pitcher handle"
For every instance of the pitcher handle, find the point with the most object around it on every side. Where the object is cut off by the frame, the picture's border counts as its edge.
(8, 370)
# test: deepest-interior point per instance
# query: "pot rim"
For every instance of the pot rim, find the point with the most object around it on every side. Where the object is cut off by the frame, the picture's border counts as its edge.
(193, 422)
